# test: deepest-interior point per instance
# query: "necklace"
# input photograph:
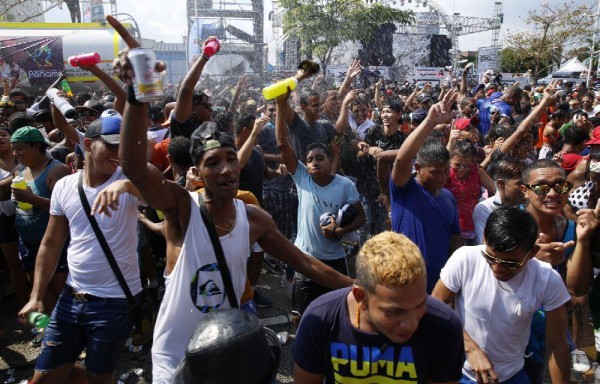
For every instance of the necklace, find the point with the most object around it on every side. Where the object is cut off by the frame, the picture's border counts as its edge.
(357, 316)
(227, 229)
(518, 286)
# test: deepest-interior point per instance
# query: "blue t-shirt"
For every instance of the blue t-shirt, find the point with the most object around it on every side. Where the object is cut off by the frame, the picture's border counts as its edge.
(327, 343)
(485, 107)
(313, 201)
(429, 221)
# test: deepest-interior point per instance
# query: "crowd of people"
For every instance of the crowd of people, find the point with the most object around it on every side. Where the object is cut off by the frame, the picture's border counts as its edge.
(423, 233)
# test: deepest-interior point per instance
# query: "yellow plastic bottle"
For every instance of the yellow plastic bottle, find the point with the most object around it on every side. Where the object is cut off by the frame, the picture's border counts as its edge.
(278, 89)
(20, 183)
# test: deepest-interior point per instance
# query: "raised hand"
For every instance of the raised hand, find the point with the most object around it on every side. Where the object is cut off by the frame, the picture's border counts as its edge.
(121, 64)
(353, 70)
(587, 222)
(349, 97)
(441, 112)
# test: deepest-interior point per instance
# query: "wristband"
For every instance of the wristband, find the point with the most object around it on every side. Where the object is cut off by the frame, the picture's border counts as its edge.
(205, 56)
(131, 96)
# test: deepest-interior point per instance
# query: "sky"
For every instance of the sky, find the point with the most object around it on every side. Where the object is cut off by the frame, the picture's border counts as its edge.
(164, 20)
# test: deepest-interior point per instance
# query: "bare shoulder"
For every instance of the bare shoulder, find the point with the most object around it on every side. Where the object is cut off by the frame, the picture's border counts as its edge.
(260, 221)
(257, 215)
(56, 173)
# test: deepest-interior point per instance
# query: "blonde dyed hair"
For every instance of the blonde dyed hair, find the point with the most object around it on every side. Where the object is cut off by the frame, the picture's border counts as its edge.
(389, 259)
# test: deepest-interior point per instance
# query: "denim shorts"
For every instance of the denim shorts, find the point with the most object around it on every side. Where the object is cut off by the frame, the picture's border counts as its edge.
(100, 325)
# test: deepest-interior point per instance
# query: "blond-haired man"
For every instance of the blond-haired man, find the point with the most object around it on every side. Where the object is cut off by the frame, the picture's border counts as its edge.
(383, 329)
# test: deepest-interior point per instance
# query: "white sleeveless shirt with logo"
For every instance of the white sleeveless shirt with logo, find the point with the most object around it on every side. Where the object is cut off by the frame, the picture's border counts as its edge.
(195, 287)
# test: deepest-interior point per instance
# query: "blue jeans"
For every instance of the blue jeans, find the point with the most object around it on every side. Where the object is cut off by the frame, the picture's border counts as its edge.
(519, 378)
(99, 325)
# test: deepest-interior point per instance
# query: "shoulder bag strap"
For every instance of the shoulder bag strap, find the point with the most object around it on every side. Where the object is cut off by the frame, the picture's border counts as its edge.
(216, 243)
(102, 240)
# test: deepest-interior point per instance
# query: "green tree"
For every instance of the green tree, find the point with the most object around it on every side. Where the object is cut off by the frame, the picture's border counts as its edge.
(557, 32)
(513, 63)
(322, 25)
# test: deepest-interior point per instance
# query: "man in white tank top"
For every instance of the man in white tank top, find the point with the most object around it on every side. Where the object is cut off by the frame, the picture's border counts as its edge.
(194, 284)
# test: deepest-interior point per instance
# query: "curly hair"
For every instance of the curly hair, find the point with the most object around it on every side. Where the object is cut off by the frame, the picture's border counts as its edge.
(389, 259)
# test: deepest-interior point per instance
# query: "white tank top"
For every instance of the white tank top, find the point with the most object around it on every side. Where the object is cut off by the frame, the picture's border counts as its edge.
(195, 286)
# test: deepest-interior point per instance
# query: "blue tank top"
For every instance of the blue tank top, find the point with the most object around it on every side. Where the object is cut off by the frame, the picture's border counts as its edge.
(31, 224)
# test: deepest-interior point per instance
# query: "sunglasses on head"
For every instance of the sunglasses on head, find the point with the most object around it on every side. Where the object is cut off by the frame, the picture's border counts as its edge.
(508, 264)
(543, 189)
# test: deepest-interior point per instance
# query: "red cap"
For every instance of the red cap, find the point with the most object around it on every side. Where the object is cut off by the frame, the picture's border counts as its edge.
(462, 124)
(594, 141)
(596, 132)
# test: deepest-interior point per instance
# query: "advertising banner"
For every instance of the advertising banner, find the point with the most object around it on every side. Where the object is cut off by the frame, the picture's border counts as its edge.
(39, 57)
(488, 59)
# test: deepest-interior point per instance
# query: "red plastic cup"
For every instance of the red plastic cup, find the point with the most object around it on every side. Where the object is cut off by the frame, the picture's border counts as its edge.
(212, 47)
(84, 59)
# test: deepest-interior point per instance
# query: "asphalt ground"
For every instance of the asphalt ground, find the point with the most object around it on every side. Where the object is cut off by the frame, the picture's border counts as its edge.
(17, 356)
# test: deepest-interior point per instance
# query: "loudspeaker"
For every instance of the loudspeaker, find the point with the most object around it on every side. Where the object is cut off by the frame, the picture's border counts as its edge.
(378, 51)
(439, 54)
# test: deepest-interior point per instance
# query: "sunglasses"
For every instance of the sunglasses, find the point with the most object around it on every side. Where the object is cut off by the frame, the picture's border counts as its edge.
(206, 105)
(508, 264)
(543, 189)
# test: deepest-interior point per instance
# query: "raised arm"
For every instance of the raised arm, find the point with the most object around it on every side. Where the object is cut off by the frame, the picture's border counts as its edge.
(524, 128)
(579, 265)
(341, 125)
(60, 122)
(463, 92)
(246, 151)
(377, 97)
(155, 190)
(236, 94)
(183, 108)
(281, 135)
(438, 114)
(351, 74)
(410, 98)
(112, 85)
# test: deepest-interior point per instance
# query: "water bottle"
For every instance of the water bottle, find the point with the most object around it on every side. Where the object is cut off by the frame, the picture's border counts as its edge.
(20, 183)
(38, 319)
(84, 59)
(61, 103)
(280, 88)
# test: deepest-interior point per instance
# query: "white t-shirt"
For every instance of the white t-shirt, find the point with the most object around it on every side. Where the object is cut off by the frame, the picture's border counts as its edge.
(89, 271)
(482, 211)
(158, 135)
(497, 315)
